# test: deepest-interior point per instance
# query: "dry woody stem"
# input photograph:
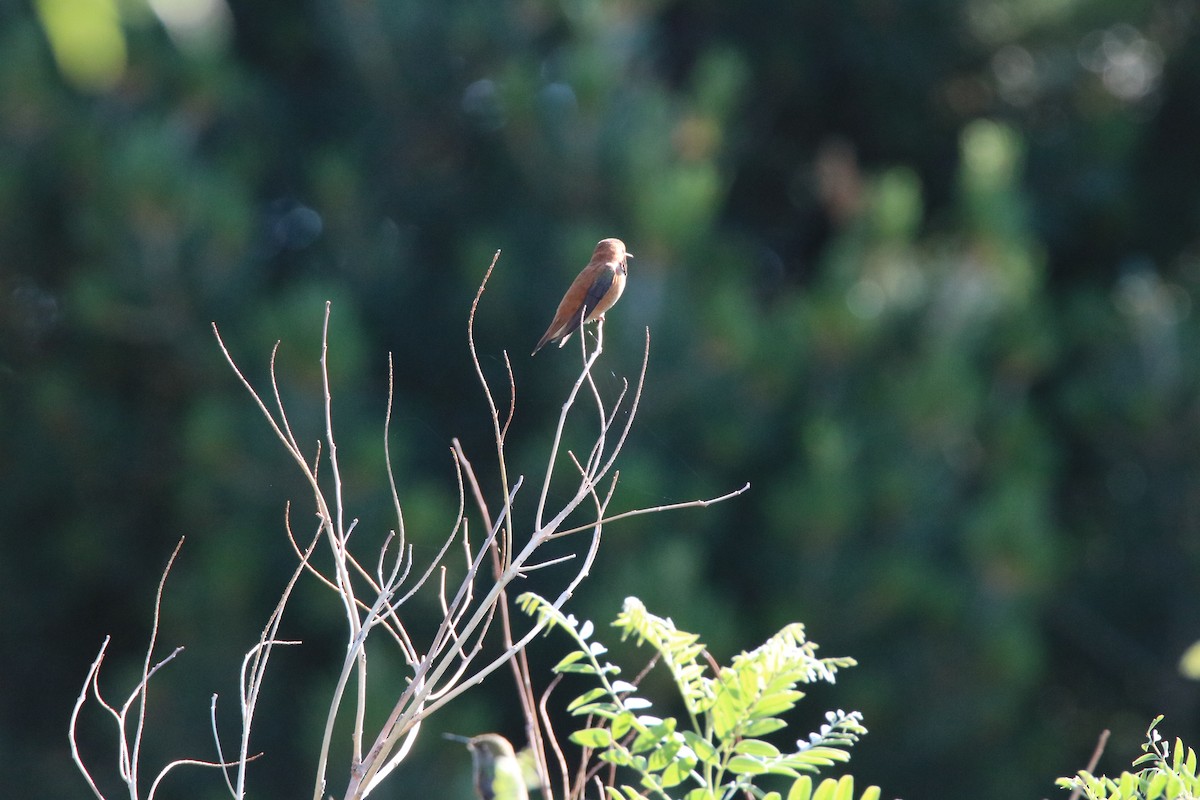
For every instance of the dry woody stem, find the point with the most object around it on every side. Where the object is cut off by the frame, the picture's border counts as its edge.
(372, 591)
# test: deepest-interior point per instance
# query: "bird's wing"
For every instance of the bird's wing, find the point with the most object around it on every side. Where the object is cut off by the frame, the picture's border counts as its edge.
(567, 321)
(595, 293)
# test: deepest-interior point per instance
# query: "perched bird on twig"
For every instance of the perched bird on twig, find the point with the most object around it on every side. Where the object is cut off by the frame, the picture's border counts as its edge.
(591, 294)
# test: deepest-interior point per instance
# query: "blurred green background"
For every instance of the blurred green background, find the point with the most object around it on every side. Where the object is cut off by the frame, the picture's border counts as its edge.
(922, 271)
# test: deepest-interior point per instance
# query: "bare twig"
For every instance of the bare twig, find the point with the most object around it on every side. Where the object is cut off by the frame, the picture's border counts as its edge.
(387, 455)
(130, 767)
(1101, 743)
(657, 510)
(544, 719)
(129, 752)
(88, 682)
(250, 686)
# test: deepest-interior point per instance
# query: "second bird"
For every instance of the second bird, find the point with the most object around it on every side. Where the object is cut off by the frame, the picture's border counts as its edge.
(591, 294)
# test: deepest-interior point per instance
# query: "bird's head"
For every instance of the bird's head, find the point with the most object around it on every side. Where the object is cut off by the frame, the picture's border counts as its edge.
(491, 746)
(610, 251)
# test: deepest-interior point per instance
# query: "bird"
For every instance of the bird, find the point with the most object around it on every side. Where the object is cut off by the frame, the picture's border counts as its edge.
(496, 766)
(593, 292)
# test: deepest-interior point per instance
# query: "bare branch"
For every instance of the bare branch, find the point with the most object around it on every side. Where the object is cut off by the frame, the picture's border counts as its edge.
(657, 510)
(88, 682)
(189, 762)
(437, 559)
(128, 753)
(499, 431)
(387, 453)
(1093, 762)
(147, 671)
(544, 719)
(283, 419)
(528, 568)
(558, 432)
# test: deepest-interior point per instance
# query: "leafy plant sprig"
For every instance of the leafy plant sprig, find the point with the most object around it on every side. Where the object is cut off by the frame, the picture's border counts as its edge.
(719, 751)
(1171, 774)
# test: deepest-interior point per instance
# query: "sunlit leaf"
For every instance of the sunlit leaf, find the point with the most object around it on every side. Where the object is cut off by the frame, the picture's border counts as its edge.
(762, 727)
(570, 658)
(801, 789)
(756, 747)
(700, 746)
(745, 765)
(592, 737)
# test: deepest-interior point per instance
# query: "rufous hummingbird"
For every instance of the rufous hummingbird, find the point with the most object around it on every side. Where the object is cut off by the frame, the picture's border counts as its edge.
(593, 292)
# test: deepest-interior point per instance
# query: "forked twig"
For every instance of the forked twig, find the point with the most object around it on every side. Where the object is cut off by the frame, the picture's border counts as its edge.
(129, 753)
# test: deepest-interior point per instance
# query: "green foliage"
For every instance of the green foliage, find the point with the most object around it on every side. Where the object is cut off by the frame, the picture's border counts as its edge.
(1169, 774)
(719, 750)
